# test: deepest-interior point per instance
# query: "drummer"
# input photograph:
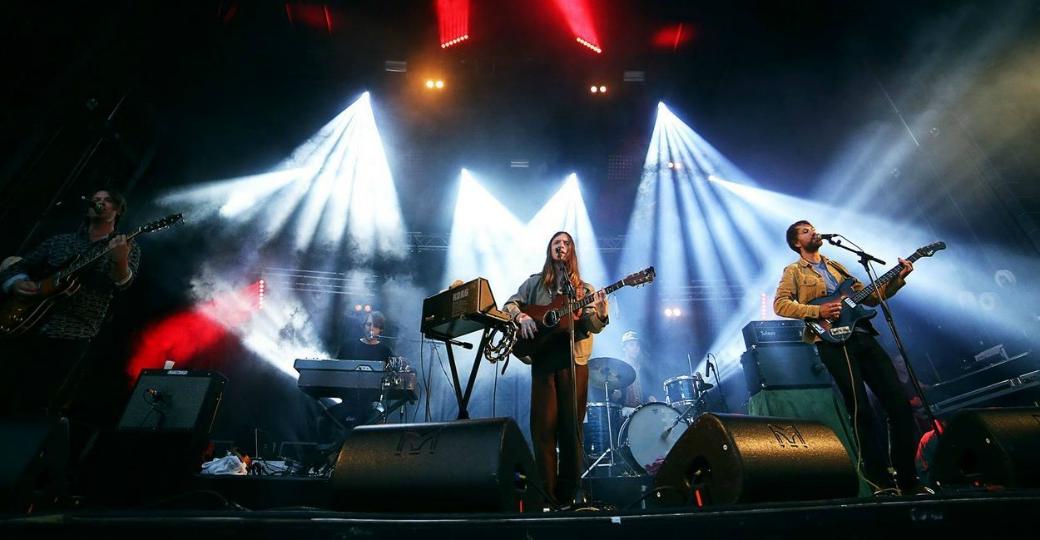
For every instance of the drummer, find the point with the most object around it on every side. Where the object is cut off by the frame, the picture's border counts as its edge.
(631, 396)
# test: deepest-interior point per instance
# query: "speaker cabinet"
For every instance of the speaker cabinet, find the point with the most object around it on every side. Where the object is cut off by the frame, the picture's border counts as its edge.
(159, 441)
(464, 466)
(33, 460)
(991, 447)
(783, 366)
(173, 400)
(727, 458)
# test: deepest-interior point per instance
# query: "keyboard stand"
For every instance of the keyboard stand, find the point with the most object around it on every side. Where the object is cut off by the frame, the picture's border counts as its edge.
(460, 397)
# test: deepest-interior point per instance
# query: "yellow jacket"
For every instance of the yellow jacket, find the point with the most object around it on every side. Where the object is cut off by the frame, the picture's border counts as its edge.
(801, 284)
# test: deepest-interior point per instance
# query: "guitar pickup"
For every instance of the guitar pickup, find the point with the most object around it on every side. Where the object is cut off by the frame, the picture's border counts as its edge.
(841, 331)
(848, 302)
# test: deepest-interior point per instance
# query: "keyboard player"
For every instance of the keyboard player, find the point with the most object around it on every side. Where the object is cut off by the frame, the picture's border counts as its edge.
(369, 346)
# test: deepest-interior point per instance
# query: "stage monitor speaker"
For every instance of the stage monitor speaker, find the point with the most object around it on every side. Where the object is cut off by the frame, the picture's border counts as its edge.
(174, 400)
(990, 447)
(787, 366)
(33, 459)
(464, 466)
(728, 458)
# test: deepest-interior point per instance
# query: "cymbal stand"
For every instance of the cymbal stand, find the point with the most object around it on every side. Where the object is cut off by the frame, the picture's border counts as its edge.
(611, 450)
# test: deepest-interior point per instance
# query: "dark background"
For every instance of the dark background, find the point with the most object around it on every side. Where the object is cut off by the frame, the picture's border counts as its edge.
(148, 96)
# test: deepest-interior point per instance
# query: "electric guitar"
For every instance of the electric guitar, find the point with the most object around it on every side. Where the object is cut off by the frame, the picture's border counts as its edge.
(852, 310)
(555, 319)
(20, 313)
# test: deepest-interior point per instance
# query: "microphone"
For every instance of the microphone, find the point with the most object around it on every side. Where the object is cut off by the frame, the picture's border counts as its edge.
(828, 236)
(97, 206)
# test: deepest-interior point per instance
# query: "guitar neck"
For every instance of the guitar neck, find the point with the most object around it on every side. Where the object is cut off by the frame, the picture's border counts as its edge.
(570, 307)
(80, 265)
(863, 293)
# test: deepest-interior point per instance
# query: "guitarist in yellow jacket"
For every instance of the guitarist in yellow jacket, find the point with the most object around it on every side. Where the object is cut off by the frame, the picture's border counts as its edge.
(857, 360)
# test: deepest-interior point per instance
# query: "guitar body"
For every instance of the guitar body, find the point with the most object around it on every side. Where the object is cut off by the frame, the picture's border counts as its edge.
(553, 328)
(20, 313)
(554, 320)
(839, 330)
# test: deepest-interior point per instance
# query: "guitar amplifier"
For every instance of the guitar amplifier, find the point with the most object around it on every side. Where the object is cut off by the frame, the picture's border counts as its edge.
(784, 366)
(174, 401)
(784, 331)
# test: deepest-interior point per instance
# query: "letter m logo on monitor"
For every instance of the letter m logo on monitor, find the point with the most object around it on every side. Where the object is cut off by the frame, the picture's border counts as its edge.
(788, 436)
(413, 442)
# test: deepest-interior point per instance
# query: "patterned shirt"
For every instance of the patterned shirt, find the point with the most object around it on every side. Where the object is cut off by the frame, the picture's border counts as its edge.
(80, 315)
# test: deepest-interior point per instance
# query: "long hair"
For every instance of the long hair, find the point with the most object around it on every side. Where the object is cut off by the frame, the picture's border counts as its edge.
(549, 269)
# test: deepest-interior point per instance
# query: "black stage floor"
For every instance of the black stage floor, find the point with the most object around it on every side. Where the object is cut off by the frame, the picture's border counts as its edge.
(976, 515)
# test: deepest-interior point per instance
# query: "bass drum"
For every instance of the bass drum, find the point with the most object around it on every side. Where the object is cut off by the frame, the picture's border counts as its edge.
(648, 435)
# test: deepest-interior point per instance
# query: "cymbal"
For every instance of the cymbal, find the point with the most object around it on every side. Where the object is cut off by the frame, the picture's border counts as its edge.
(612, 372)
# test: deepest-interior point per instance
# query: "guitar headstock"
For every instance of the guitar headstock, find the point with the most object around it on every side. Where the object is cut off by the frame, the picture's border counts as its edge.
(930, 249)
(163, 223)
(641, 277)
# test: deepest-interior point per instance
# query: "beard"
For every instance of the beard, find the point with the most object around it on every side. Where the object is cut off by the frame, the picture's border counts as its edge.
(814, 245)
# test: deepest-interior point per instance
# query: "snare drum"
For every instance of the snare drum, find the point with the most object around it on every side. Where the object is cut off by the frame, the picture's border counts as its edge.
(680, 391)
(602, 424)
(648, 435)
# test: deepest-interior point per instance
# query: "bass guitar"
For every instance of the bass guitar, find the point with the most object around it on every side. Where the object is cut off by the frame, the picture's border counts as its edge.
(839, 329)
(20, 313)
(554, 320)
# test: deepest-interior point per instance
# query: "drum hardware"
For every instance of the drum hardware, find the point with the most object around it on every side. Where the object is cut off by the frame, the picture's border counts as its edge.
(610, 374)
(648, 434)
(687, 391)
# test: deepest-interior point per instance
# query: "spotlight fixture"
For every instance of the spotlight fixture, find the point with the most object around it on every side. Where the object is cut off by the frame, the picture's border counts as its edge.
(368, 308)
(602, 89)
(590, 45)
(593, 89)
(435, 84)
(439, 84)
(357, 307)
(260, 294)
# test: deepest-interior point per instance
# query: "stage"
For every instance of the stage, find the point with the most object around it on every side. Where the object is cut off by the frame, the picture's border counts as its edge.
(208, 515)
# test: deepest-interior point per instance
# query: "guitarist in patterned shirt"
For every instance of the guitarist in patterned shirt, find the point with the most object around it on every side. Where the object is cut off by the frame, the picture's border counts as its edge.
(859, 359)
(42, 367)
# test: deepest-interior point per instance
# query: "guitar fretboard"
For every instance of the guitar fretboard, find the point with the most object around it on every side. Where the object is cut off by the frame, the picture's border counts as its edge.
(863, 293)
(571, 307)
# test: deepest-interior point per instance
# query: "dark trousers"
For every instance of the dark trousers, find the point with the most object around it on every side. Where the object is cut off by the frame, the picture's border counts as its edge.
(553, 423)
(870, 364)
(40, 374)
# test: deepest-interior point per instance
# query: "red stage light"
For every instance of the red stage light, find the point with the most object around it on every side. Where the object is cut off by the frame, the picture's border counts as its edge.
(453, 20)
(672, 36)
(182, 336)
(316, 16)
(579, 19)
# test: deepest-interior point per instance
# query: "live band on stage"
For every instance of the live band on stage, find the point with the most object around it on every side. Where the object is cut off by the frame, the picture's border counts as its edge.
(591, 416)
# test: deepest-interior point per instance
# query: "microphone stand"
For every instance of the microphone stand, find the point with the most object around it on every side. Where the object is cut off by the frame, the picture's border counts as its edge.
(579, 491)
(865, 259)
(714, 368)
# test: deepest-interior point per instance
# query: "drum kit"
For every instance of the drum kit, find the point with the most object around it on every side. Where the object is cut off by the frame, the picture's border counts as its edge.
(641, 440)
